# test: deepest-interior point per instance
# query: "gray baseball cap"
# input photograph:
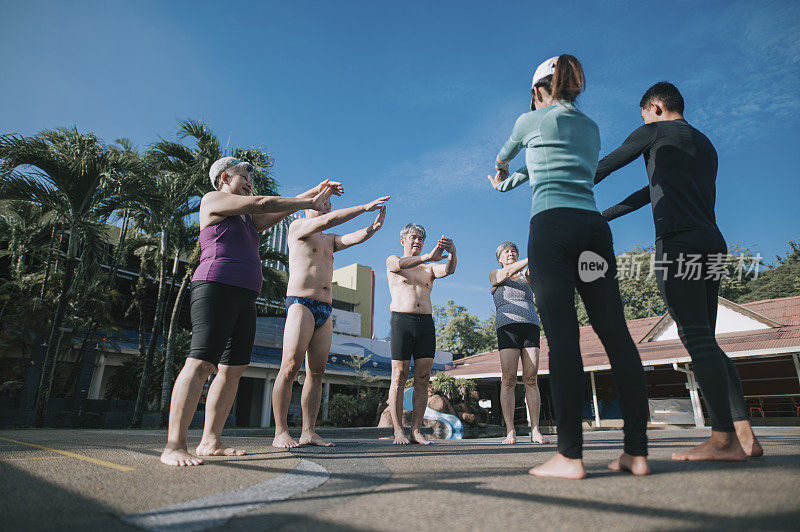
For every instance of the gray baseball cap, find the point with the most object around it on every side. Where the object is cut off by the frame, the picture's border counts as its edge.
(221, 165)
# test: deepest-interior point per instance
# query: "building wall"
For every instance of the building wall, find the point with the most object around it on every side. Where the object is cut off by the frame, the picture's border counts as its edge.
(354, 284)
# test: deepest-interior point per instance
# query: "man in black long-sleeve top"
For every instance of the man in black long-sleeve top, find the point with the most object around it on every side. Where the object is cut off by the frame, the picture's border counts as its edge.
(682, 170)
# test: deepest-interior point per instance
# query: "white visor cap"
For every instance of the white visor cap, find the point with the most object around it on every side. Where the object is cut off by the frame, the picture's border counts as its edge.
(545, 69)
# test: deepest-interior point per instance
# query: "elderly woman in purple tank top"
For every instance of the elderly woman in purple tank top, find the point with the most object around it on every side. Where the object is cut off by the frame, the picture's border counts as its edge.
(223, 295)
(517, 337)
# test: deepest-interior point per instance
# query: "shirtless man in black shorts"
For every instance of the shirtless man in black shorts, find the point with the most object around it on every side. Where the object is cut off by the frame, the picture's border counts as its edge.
(413, 334)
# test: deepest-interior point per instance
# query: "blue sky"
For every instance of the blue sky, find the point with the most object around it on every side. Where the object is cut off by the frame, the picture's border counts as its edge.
(414, 99)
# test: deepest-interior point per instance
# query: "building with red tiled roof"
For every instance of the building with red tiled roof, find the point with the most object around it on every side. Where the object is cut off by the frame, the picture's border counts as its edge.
(762, 338)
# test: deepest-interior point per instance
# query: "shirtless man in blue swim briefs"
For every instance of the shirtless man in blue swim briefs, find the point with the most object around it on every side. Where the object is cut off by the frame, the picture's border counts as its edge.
(309, 327)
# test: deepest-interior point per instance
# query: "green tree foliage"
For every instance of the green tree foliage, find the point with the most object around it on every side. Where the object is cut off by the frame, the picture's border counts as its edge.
(77, 177)
(458, 331)
(363, 376)
(60, 189)
(782, 280)
(455, 390)
(346, 410)
(642, 299)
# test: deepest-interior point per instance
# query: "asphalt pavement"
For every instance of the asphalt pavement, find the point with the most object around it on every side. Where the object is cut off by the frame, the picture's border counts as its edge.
(101, 480)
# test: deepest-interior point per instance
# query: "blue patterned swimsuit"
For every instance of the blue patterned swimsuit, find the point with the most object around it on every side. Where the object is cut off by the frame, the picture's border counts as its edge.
(320, 310)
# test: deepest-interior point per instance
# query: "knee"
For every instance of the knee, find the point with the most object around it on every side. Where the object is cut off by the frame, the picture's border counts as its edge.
(315, 375)
(288, 372)
(509, 382)
(399, 379)
(196, 369)
(530, 380)
(422, 377)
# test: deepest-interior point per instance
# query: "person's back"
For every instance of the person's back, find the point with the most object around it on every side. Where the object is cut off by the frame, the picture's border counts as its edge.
(563, 146)
(682, 169)
(565, 230)
(682, 165)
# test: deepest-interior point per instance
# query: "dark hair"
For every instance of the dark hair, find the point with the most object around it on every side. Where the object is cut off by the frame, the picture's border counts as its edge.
(567, 82)
(666, 93)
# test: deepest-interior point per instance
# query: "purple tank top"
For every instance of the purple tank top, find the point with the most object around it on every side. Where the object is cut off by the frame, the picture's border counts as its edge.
(229, 254)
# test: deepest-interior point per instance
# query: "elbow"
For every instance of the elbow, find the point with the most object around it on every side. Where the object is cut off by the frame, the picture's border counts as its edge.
(263, 203)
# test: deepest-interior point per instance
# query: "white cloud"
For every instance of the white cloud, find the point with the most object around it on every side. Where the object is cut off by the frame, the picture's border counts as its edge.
(762, 53)
(460, 167)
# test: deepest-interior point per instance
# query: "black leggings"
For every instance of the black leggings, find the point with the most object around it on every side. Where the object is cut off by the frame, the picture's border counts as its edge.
(692, 303)
(223, 323)
(557, 239)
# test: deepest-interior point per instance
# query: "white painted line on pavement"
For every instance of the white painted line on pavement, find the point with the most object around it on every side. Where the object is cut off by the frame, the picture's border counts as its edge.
(215, 510)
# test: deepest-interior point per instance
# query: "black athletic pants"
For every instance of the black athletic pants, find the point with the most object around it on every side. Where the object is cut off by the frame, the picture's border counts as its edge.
(557, 239)
(692, 303)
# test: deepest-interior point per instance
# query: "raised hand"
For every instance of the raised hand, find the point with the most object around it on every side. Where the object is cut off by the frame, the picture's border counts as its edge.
(498, 178)
(323, 199)
(337, 187)
(437, 254)
(447, 244)
(377, 204)
(378, 223)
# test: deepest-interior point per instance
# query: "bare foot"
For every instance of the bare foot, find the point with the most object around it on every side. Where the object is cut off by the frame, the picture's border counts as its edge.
(748, 440)
(559, 466)
(417, 437)
(511, 439)
(314, 439)
(537, 437)
(633, 464)
(284, 441)
(723, 446)
(400, 438)
(179, 457)
(217, 449)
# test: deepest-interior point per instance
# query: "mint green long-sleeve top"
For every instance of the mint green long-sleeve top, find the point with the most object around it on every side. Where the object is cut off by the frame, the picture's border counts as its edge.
(563, 145)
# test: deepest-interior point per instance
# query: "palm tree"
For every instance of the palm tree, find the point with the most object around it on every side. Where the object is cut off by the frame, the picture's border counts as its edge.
(76, 176)
(172, 198)
(190, 239)
(22, 225)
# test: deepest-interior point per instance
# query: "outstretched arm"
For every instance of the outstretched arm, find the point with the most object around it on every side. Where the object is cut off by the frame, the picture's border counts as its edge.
(449, 267)
(636, 143)
(503, 182)
(498, 276)
(263, 222)
(635, 201)
(337, 187)
(341, 242)
(512, 146)
(217, 203)
(332, 219)
(395, 263)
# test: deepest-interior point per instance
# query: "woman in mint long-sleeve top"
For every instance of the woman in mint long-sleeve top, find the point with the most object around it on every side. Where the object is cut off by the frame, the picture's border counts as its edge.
(570, 247)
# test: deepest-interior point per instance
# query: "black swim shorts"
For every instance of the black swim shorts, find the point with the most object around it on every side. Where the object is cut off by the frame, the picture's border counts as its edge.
(413, 335)
(518, 336)
(223, 323)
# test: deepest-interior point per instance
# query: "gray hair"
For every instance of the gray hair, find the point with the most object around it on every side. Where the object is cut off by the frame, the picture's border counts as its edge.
(412, 227)
(221, 166)
(504, 246)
